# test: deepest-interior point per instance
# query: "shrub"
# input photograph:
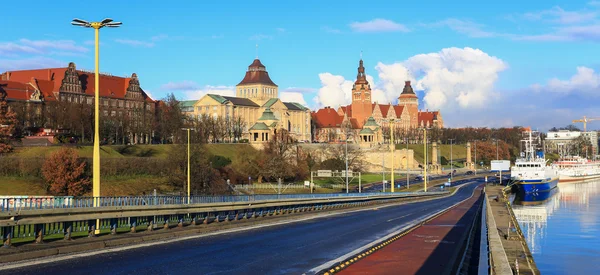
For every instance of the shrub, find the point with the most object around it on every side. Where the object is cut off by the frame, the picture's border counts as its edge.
(64, 173)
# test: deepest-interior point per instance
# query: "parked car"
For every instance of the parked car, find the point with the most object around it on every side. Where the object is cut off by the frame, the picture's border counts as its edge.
(469, 173)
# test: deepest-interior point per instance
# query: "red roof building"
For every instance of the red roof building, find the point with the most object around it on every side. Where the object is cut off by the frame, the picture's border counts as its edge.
(405, 114)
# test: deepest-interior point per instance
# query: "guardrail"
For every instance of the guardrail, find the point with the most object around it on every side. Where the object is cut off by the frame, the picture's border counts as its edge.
(498, 259)
(35, 203)
(63, 219)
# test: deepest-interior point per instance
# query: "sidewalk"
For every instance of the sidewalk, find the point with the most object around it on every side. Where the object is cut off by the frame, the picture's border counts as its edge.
(432, 248)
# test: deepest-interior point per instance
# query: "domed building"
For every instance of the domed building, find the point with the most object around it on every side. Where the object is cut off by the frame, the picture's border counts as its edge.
(258, 105)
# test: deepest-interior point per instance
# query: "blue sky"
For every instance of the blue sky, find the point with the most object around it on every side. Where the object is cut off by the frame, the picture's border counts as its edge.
(495, 64)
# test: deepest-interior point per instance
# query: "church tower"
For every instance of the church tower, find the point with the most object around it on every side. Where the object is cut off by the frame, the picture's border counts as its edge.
(361, 97)
(257, 85)
(410, 101)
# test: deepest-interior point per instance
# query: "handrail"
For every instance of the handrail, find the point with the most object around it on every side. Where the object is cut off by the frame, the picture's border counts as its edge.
(499, 260)
(48, 202)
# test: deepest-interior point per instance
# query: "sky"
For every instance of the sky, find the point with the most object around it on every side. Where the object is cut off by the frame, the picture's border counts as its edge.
(493, 64)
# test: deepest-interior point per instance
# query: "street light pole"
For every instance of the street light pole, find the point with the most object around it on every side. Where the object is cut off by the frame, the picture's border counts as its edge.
(346, 163)
(475, 157)
(451, 162)
(425, 158)
(107, 22)
(393, 146)
(407, 177)
(188, 166)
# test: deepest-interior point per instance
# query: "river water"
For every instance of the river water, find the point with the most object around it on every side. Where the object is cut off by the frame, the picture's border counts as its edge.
(563, 231)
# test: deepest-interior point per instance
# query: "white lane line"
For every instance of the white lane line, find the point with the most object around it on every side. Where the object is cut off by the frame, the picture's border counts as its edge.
(56, 258)
(398, 218)
(328, 264)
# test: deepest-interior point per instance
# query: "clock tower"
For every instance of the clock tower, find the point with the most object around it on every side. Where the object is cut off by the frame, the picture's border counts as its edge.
(361, 97)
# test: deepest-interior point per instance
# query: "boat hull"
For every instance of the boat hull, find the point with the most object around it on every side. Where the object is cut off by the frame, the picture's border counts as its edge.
(565, 178)
(537, 186)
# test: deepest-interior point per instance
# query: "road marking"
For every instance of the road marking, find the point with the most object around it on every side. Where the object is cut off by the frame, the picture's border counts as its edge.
(57, 258)
(398, 218)
(330, 263)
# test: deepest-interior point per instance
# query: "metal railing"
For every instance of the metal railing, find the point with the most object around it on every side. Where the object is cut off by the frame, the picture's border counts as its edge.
(37, 203)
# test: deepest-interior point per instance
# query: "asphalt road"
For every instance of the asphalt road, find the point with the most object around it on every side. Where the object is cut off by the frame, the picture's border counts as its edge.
(378, 187)
(293, 248)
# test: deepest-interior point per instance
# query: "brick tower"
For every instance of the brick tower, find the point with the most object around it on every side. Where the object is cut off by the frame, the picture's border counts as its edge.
(361, 97)
(410, 101)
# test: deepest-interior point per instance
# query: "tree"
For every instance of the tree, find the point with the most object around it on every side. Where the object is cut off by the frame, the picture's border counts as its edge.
(64, 173)
(277, 162)
(204, 179)
(8, 121)
(170, 121)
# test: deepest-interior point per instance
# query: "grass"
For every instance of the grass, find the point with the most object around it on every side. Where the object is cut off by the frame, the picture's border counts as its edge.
(228, 150)
(134, 185)
(83, 151)
(21, 186)
(459, 151)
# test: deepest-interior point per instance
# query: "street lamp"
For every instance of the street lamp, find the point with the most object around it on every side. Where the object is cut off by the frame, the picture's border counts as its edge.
(451, 163)
(392, 147)
(425, 159)
(407, 177)
(188, 163)
(475, 157)
(96, 160)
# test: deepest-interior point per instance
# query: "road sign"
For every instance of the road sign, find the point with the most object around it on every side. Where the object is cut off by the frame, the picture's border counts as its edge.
(306, 183)
(324, 173)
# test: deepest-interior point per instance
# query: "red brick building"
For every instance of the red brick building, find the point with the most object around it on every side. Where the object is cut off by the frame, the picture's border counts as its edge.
(34, 93)
(366, 120)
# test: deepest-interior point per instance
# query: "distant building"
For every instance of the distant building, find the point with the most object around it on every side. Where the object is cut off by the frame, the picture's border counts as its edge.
(559, 142)
(365, 119)
(257, 103)
(119, 96)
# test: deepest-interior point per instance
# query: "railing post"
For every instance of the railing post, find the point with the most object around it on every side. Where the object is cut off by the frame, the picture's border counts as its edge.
(68, 230)
(151, 223)
(39, 233)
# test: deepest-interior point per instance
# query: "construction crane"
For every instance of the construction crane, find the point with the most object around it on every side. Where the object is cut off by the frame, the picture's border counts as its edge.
(585, 120)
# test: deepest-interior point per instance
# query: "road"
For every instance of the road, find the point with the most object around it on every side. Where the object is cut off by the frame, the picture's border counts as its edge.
(377, 187)
(293, 248)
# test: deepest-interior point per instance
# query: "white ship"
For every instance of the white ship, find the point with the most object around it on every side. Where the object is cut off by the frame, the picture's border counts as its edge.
(531, 172)
(577, 169)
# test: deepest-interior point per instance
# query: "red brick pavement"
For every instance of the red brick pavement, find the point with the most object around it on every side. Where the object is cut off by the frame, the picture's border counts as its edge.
(425, 250)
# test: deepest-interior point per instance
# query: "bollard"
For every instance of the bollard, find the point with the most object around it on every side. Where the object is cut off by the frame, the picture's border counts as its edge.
(194, 218)
(68, 230)
(7, 236)
(39, 233)
(166, 223)
(113, 226)
(92, 229)
(151, 223)
(132, 224)
(180, 223)
(205, 221)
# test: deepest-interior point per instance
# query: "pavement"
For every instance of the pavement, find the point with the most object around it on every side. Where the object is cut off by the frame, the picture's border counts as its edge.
(290, 248)
(513, 242)
(433, 248)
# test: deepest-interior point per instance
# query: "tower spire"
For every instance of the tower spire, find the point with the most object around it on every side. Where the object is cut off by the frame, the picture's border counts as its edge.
(256, 50)
(360, 54)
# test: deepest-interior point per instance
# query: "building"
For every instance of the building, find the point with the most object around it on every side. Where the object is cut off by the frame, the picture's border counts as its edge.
(363, 119)
(561, 142)
(258, 105)
(31, 93)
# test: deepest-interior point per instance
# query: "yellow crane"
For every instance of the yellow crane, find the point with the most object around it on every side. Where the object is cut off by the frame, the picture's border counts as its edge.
(585, 120)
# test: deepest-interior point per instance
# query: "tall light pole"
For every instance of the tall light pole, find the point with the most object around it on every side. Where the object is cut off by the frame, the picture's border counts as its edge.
(407, 177)
(346, 163)
(425, 158)
(188, 164)
(393, 146)
(107, 22)
(451, 163)
(475, 157)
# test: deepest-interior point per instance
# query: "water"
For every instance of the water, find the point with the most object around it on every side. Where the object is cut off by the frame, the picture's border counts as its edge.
(563, 232)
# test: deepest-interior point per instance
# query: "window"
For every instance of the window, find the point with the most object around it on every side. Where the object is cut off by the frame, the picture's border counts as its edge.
(214, 108)
(206, 109)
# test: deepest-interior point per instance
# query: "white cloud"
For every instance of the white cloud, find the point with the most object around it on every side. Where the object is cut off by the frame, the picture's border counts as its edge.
(292, 97)
(468, 28)
(30, 63)
(185, 85)
(281, 30)
(335, 90)
(451, 79)
(260, 37)
(28, 47)
(208, 89)
(299, 89)
(378, 25)
(330, 30)
(558, 15)
(135, 43)
(586, 81)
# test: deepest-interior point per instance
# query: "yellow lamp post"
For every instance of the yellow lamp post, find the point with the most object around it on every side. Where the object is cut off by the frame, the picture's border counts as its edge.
(425, 159)
(393, 146)
(96, 162)
(188, 163)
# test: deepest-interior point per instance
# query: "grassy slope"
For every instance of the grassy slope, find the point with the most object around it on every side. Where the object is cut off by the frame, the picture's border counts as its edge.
(459, 151)
(21, 186)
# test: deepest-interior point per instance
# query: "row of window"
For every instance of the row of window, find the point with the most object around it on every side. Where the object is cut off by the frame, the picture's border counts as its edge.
(253, 92)
(107, 102)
